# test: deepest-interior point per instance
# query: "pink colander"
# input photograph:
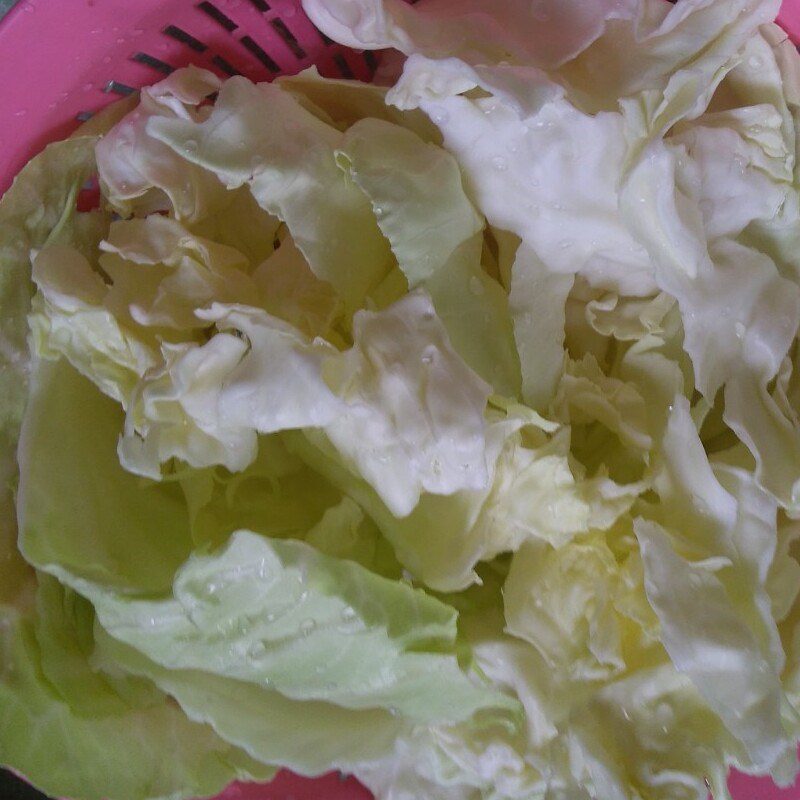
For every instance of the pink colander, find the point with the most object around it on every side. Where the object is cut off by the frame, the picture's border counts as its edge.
(63, 60)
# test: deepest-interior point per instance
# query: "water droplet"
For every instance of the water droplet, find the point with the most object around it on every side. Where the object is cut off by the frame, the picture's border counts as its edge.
(212, 588)
(664, 715)
(120, 40)
(558, 206)
(755, 62)
(407, 576)
(348, 613)
(190, 145)
(476, 285)
(306, 626)
(21, 113)
(565, 244)
(393, 711)
(87, 87)
(741, 330)
(537, 603)
(436, 466)
(429, 355)
(499, 163)
(95, 31)
(107, 60)
(256, 650)
(270, 617)
(29, 8)
(137, 31)
(439, 116)
(379, 212)
(701, 505)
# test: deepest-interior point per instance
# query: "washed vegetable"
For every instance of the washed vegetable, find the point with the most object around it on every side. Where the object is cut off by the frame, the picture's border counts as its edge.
(443, 430)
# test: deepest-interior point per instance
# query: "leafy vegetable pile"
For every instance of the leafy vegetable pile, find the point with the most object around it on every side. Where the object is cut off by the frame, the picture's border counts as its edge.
(446, 434)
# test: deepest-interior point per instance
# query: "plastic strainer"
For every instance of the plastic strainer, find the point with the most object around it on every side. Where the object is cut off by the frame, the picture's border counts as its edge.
(63, 60)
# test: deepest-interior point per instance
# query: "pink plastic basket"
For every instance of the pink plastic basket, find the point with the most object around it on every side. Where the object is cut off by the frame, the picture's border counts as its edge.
(63, 60)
